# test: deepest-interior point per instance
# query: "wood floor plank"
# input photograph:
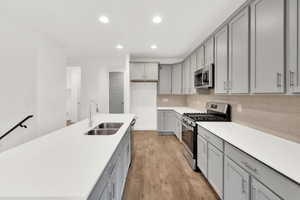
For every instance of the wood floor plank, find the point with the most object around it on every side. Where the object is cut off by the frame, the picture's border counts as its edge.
(160, 172)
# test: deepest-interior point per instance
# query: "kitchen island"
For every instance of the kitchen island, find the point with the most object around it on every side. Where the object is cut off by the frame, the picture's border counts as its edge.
(65, 164)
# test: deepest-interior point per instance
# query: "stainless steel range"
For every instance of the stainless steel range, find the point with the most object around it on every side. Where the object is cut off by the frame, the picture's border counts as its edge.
(215, 112)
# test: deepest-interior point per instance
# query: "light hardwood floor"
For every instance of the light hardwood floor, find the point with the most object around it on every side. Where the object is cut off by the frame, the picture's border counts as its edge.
(160, 172)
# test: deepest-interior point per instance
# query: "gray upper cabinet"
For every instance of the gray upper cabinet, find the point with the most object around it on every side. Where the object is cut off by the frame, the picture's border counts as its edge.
(215, 169)
(151, 71)
(209, 51)
(221, 61)
(165, 79)
(193, 68)
(200, 57)
(144, 71)
(236, 181)
(261, 192)
(137, 71)
(177, 79)
(238, 82)
(293, 42)
(267, 46)
(186, 76)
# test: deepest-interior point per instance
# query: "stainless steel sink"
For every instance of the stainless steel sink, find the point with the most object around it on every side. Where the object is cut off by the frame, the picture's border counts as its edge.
(108, 128)
(102, 132)
(110, 125)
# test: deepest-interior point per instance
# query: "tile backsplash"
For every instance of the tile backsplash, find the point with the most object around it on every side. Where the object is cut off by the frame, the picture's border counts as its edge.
(171, 100)
(275, 114)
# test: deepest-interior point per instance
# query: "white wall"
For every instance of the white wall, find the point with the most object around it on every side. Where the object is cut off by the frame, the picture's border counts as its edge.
(51, 87)
(31, 82)
(95, 81)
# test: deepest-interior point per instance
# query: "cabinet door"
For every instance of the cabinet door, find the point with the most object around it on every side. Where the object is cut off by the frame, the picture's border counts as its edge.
(239, 53)
(221, 61)
(200, 57)
(267, 46)
(202, 155)
(260, 192)
(151, 71)
(293, 24)
(137, 71)
(178, 129)
(209, 51)
(177, 79)
(161, 120)
(186, 75)
(106, 193)
(170, 121)
(165, 79)
(215, 169)
(193, 68)
(236, 181)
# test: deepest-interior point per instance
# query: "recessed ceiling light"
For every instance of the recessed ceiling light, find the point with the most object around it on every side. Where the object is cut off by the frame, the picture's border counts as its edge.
(156, 19)
(119, 46)
(104, 19)
(153, 46)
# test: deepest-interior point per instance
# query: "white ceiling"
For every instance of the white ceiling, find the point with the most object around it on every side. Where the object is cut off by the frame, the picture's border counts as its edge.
(74, 23)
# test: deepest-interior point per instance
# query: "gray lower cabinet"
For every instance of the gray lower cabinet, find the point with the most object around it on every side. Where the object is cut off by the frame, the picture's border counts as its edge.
(215, 168)
(111, 184)
(166, 121)
(261, 192)
(202, 155)
(165, 79)
(236, 181)
(106, 194)
(268, 46)
(178, 126)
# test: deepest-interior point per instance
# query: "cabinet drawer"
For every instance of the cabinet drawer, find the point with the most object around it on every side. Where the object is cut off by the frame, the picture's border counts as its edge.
(211, 138)
(278, 183)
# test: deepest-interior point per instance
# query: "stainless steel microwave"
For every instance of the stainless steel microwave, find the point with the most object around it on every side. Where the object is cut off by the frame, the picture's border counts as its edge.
(204, 77)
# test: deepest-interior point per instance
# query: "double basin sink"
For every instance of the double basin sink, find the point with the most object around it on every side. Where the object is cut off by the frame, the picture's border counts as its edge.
(105, 129)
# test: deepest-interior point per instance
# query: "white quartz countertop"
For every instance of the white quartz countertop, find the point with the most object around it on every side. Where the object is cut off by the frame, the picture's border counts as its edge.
(64, 164)
(180, 109)
(279, 154)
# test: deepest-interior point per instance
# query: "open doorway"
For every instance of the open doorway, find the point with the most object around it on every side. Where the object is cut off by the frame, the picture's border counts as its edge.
(73, 94)
(116, 92)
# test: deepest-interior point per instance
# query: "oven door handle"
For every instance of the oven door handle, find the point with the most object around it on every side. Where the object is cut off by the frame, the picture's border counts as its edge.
(187, 126)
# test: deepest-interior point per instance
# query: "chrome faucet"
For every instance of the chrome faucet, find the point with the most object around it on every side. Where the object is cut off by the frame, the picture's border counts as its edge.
(91, 113)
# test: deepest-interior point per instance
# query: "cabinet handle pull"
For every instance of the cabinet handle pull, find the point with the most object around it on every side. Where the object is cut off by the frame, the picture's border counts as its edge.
(291, 79)
(250, 167)
(243, 186)
(279, 79)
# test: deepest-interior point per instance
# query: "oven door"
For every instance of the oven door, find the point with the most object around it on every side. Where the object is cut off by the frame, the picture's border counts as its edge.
(188, 138)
